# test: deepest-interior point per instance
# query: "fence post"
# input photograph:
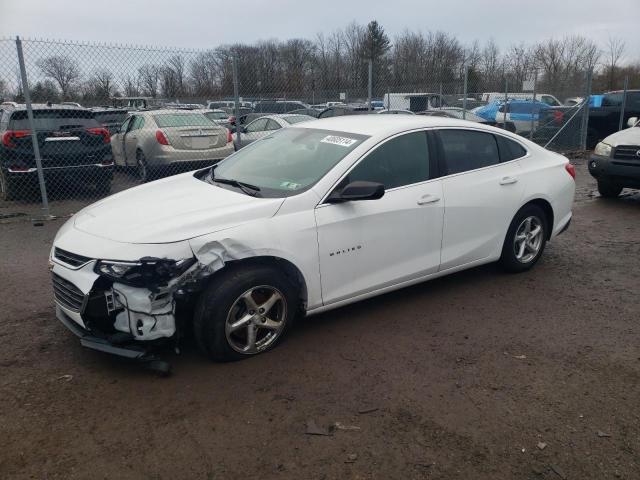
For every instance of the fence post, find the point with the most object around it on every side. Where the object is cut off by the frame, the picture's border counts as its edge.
(506, 101)
(236, 95)
(370, 90)
(32, 126)
(464, 97)
(585, 116)
(624, 102)
(535, 84)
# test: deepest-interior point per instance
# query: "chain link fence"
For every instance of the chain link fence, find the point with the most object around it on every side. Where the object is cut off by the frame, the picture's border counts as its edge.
(81, 121)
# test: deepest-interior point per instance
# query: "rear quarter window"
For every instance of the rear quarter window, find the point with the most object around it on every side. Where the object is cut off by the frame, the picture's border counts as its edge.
(509, 149)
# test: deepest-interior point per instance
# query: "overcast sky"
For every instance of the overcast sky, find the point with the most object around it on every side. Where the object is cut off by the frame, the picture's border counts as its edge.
(208, 23)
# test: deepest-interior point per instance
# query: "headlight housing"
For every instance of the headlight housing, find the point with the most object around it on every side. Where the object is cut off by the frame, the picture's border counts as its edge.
(603, 149)
(147, 272)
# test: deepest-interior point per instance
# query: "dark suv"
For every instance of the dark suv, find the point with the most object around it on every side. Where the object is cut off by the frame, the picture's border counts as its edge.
(110, 118)
(74, 147)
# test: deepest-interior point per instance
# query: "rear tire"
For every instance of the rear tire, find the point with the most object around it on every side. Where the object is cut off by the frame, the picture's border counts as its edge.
(525, 240)
(608, 189)
(8, 187)
(142, 168)
(236, 303)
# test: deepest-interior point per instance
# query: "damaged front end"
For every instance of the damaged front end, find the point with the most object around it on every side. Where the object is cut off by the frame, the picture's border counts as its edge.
(128, 307)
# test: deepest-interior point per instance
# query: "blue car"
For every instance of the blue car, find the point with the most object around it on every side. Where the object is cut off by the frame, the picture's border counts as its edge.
(522, 114)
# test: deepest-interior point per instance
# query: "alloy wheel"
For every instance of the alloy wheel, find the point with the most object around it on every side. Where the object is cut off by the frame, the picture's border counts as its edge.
(256, 319)
(528, 239)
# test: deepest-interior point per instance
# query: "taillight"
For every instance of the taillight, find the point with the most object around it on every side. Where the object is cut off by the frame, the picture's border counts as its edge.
(558, 116)
(229, 136)
(10, 135)
(571, 170)
(106, 136)
(161, 138)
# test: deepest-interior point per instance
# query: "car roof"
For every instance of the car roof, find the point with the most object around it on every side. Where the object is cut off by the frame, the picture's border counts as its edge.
(43, 106)
(385, 125)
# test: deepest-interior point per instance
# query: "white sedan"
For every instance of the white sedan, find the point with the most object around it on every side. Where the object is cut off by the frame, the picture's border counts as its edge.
(310, 218)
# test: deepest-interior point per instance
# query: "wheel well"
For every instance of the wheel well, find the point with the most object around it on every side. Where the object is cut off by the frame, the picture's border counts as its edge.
(289, 269)
(548, 211)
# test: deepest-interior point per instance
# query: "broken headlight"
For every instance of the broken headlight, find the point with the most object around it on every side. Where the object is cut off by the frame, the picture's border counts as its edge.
(147, 272)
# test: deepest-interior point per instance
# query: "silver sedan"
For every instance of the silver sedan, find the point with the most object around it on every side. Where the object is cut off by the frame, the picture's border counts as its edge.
(166, 141)
(263, 126)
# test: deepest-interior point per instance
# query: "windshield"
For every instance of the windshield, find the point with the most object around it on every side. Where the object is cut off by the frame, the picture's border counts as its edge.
(297, 119)
(289, 161)
(181, 120)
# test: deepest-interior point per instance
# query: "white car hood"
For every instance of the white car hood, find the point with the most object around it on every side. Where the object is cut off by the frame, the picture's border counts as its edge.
(629, 136)
(171, 210)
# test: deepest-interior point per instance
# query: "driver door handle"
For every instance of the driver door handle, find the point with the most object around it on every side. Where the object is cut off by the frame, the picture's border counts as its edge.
(508, 180)
(428, 198)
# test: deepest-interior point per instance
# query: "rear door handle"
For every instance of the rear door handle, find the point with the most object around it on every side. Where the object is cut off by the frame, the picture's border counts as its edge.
(428, 198)
(508, 180)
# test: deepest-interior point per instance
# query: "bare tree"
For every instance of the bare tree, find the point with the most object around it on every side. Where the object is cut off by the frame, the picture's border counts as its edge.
(102, 83)
(63, 70)
(149, 76)
(614, 53)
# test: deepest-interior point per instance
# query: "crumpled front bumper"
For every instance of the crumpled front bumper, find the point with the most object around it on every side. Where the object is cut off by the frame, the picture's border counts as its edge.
(89, 340)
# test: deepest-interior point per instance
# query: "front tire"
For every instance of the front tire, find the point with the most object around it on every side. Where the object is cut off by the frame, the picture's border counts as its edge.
(243, 312)
(608, 189)
(525, 240)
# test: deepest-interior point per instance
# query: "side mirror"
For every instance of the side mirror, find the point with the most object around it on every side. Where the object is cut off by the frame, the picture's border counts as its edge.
(357, 191)
(632, 121)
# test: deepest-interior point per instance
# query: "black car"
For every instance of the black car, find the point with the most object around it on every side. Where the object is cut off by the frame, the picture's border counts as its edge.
(110, 118)
(74, 147)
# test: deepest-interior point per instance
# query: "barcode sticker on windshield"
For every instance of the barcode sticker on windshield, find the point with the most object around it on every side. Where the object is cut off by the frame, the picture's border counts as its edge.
(336, 140)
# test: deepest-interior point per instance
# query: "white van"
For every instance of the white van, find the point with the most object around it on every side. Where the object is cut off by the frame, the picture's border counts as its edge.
(550, 100)
(414, 102)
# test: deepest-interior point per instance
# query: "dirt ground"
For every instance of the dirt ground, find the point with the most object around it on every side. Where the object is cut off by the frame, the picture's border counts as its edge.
(480, 375)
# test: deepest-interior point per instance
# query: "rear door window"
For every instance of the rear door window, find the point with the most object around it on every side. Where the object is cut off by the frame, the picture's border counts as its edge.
(138, 122)
(272, 125)
(403, 160)
(466, 150)
(259, 125)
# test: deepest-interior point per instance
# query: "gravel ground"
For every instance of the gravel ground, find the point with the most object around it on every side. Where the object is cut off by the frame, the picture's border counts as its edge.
(480, 375)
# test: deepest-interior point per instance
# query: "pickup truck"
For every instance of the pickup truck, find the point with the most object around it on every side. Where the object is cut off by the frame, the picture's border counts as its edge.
(604, 119)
